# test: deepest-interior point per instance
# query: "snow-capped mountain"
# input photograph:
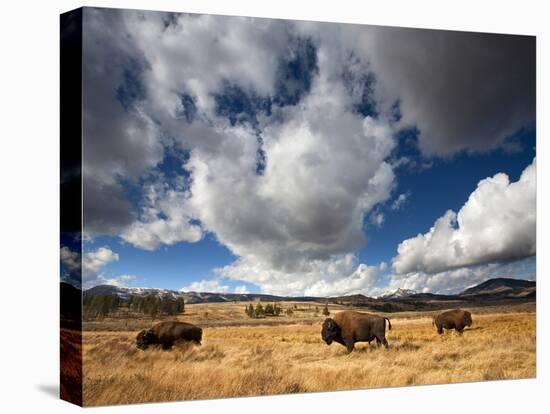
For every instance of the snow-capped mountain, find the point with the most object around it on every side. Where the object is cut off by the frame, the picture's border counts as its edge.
(399, 293)
(189, 297)
(126, 292)
(494, 289)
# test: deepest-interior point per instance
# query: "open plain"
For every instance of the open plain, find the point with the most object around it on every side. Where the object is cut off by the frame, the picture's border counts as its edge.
(241, 356)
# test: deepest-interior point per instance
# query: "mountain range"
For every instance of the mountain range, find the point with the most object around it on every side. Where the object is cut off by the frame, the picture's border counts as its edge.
(492, 291)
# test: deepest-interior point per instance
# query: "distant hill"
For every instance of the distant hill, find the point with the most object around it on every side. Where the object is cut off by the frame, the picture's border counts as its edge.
(125, 292)
(71, 303)
(502, 287)
(490, 292)
(189, 297)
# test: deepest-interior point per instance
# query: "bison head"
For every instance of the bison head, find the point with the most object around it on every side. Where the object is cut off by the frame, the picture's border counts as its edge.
(467, 319)
(145, 338)
(197, 336)
(330, 331)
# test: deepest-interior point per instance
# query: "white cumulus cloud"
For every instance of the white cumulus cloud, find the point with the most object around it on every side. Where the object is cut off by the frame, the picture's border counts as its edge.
(457, 280)
(325, 170)
(362, 280)
(164, 219)
(206, 285)
(70, 258)
(242, 289)
(93, 262)
(340, 275)
(497, 223)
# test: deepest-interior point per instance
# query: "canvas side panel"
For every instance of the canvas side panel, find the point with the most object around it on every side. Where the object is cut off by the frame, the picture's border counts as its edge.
(71, 207)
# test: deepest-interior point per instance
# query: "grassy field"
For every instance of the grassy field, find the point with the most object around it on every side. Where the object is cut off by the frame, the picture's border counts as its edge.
(71, 365)
(243, 357)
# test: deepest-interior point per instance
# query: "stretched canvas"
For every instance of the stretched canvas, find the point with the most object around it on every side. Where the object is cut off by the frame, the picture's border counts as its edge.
(258, 206)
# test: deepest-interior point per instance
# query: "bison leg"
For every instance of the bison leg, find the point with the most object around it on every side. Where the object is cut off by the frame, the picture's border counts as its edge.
(440, 329)
(381, 342)
(350, 345)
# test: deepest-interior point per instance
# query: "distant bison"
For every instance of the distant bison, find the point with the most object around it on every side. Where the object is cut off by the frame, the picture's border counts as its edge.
(456, 319)
(166, 333)
(349, 327)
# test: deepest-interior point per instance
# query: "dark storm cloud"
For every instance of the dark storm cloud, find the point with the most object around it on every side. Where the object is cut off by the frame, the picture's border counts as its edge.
(119, 141)
(464, 91)
(106, 208)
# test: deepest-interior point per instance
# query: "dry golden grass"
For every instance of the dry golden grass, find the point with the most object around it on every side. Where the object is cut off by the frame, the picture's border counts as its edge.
(71, 365)
(277, 359)
(219, 314)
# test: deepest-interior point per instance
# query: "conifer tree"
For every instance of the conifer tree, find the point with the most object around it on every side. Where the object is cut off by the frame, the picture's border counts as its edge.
(259, 311)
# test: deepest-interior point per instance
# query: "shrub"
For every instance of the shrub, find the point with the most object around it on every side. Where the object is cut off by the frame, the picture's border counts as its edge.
(259, 312)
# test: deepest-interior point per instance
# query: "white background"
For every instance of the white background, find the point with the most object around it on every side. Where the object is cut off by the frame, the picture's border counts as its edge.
(29, 207)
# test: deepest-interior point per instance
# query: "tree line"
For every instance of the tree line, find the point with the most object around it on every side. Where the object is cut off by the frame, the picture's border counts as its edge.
(101, 306)
(259, 311)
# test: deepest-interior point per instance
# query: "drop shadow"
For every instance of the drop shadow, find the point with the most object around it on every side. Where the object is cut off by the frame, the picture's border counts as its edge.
(51, 390)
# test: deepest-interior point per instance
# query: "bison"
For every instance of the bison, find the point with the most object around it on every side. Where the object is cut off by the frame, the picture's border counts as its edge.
(349, 327)
(456, 319)
(166, 333)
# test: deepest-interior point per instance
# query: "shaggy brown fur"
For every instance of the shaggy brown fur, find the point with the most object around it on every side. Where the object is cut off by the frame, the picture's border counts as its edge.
(456, 319)
(166, 333)
(349, 327)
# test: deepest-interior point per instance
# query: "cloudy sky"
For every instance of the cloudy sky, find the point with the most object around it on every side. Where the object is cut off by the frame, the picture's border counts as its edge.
(254, 155)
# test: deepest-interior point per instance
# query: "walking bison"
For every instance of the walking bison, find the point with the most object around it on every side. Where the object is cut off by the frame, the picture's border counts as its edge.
(349, 327)
(456, 319)
(166, 333)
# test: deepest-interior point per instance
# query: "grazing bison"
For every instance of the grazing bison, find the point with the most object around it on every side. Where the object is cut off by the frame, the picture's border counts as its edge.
(454, 319)
(166, 333)
(349, 327)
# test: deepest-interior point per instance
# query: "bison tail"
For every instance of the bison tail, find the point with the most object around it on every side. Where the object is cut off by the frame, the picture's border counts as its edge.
(389, 324)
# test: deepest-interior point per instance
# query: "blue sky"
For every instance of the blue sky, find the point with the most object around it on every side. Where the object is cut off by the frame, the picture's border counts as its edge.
(170, 267)
(303, 158)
